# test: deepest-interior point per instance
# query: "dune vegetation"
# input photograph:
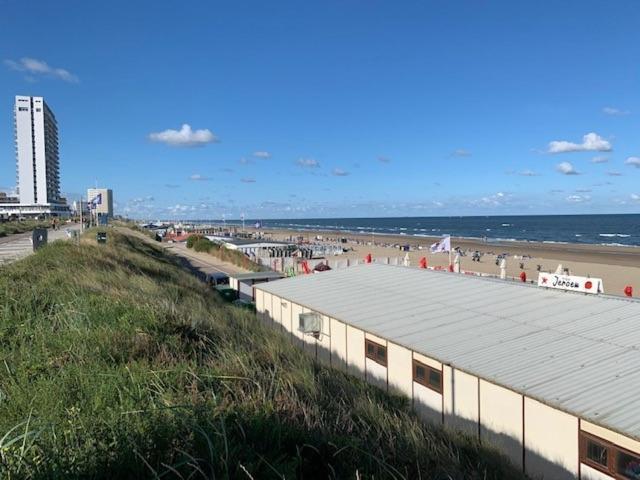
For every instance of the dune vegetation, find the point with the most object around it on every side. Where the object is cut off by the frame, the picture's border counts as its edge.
(14, 226)
(117, 363)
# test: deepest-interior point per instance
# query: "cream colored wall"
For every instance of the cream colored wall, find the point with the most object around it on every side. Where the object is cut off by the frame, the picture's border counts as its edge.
(296, 310)
(501, 420)
(551, 441)
(400, 370)
(268, 314)
(460, 401)
(323, 343)
(426, 402)
(355, 351)
(376, 373)
(285, 315)
(260, 303)
(276, 312)
(338, 344)
(615, 438)
(588, 473)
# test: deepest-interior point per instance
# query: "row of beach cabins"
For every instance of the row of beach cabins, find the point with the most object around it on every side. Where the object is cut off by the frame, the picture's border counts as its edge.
(548, 377)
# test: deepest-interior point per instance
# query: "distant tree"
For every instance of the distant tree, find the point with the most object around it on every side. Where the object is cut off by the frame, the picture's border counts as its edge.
(193, 239)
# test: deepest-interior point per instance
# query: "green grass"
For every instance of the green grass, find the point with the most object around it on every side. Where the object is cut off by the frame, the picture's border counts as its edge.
(116, 363)
(13, 227)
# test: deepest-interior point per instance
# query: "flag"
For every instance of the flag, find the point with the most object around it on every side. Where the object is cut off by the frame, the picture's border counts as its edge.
(443, 245)
(95, 201)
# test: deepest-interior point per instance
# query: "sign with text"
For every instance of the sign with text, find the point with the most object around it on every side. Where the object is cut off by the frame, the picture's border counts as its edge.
(570, 282)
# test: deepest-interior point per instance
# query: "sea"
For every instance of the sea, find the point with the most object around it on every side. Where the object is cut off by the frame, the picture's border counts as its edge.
(620, 230)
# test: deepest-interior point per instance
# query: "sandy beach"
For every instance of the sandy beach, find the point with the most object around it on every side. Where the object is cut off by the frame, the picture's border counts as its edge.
(616, 266)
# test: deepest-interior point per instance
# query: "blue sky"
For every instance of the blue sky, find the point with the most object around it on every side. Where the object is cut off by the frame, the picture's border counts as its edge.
(334, 108)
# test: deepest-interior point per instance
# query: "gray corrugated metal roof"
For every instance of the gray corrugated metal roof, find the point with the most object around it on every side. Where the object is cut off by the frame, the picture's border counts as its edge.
(258, 275)
(577, 352)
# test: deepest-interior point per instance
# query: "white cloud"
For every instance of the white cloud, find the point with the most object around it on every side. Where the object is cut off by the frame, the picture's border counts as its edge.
(591, 142)
(40, 67)
(578, 198)
(308, 163)
(171, 185)
(566, 168)
(460, 152)
(338, 172)
(248, 180)
(264, 155)
(614, 174)
(633, 161)
(383, 159)
(528, 173)
(185, 137)
(196, 177)
(244, 161)
(600, 159)
(635, 197)
(616, 112)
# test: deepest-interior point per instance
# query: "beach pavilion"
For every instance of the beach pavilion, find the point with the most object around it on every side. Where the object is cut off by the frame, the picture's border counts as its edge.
(549, 377)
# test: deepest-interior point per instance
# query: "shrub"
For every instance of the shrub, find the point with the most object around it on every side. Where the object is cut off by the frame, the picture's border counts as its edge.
(192, 239)
(202, 245)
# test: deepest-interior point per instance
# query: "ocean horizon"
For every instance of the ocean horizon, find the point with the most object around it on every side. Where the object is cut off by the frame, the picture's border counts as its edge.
(603, 229)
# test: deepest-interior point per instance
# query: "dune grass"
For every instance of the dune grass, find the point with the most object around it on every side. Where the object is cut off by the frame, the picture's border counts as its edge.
(116, 363)
(13, 227)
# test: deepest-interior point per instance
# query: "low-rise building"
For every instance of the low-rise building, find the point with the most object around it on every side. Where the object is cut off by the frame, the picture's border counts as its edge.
(549, 377)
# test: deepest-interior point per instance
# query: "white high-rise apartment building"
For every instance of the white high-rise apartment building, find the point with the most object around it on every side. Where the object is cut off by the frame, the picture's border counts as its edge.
(38, 168)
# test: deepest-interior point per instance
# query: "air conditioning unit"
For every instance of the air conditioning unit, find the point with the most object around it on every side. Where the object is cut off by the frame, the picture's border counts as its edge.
(310, 324)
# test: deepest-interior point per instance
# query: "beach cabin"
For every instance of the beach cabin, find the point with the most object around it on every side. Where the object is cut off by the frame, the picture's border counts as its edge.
(551, 378)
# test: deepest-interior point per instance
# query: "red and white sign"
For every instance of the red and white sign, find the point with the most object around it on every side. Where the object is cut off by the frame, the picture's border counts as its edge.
(570, 282)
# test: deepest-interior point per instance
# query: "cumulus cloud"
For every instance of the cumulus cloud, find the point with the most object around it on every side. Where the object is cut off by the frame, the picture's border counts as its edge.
(244, 161)
(308, 163)
(185, 137)
(614, 174)
(635, 197)
(248, 180)
(338, 172)
(262, 154)
(600, 159)
(566, 168)
(528, 173)
(383, 159)
(633, 162)
(196, 177)
(616, 112)
(40, 67)
(591, 142)
(578, 198)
